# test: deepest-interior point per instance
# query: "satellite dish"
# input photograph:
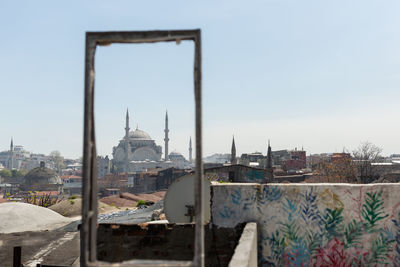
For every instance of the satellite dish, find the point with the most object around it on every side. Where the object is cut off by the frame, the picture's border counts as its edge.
(180, 198)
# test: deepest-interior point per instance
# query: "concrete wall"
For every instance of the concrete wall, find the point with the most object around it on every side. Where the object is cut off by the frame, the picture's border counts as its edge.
(315, 224)
(246, 251)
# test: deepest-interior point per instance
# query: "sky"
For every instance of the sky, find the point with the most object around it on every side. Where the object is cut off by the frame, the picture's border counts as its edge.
(322, 75)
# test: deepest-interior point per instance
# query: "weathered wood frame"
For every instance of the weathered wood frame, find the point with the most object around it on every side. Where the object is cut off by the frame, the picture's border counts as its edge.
(89, 186)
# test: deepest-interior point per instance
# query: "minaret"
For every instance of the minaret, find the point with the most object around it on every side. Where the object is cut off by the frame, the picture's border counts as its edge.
(166, 139)
(127, 145)
(233, 152)
(11, 159)
(127, 124)
(190, 150)
(269, 157)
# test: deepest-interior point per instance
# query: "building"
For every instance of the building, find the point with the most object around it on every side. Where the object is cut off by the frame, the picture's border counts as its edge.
(11, 156)
(279, 156)
(138, 152)
(113, 181)
(4, 156)
(239, 174)
(153, 180)
(255, 159)
(217, 158)
(7, 158)
(167, 176)
(296, 162)
(143, 182)
(34, 161)
(18, 158)
(135, 146)
(72, 184)
(42, 179)
(103, 166)
(179, 161)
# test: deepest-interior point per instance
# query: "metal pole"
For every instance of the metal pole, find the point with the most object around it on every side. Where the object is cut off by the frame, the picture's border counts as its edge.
(198, 185)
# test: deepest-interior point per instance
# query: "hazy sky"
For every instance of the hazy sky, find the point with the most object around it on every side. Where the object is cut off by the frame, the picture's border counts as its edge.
(319, 74)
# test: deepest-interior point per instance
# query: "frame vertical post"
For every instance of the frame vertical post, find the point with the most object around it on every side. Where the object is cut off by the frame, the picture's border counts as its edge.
(89, 185)
(198, 185)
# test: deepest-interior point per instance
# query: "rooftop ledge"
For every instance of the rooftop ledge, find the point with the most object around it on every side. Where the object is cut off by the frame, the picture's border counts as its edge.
(305, 184)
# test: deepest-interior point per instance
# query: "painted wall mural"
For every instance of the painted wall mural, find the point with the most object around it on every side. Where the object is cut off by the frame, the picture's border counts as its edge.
(316, 225)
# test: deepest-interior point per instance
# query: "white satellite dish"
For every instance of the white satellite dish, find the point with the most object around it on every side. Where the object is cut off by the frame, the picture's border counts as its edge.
(180, 197)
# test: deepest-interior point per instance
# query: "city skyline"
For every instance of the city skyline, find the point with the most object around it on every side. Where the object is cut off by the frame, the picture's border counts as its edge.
(186, 155)
(319, 75)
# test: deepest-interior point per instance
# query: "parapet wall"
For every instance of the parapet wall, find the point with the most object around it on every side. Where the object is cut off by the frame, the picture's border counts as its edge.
(124, 242)
(315, 224)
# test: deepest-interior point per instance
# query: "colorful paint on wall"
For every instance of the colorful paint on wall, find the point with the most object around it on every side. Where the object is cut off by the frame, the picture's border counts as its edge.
(254, 175)
(316, 225)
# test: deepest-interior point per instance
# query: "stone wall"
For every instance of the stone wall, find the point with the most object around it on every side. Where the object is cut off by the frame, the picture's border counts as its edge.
(315, 224)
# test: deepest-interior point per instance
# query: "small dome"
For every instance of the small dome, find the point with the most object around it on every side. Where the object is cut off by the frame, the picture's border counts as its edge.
(175, 153)
(42, 175)
(176, 156)
(139, 135)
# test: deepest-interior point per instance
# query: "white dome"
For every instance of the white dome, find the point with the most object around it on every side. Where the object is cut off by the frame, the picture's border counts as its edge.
(139, 135)
(21, 217)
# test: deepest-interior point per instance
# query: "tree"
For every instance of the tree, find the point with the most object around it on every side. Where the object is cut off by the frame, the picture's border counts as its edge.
(5, 173)
(341, 170)
(42, 201)
(18, 173)
(114, 168)
(58, 160)
(366, 154)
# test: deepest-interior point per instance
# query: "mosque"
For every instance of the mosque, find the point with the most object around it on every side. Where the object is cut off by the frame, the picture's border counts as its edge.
(137, 152)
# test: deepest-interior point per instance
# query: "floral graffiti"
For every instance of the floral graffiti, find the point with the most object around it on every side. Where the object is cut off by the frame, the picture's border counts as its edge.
(318, 226)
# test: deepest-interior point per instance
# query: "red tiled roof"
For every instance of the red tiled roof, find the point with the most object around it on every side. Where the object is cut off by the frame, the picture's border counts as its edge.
(117, 201)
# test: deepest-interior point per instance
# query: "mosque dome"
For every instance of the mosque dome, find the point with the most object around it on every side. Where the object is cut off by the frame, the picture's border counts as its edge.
(139, 135)
(42, 176)
(176, 156)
